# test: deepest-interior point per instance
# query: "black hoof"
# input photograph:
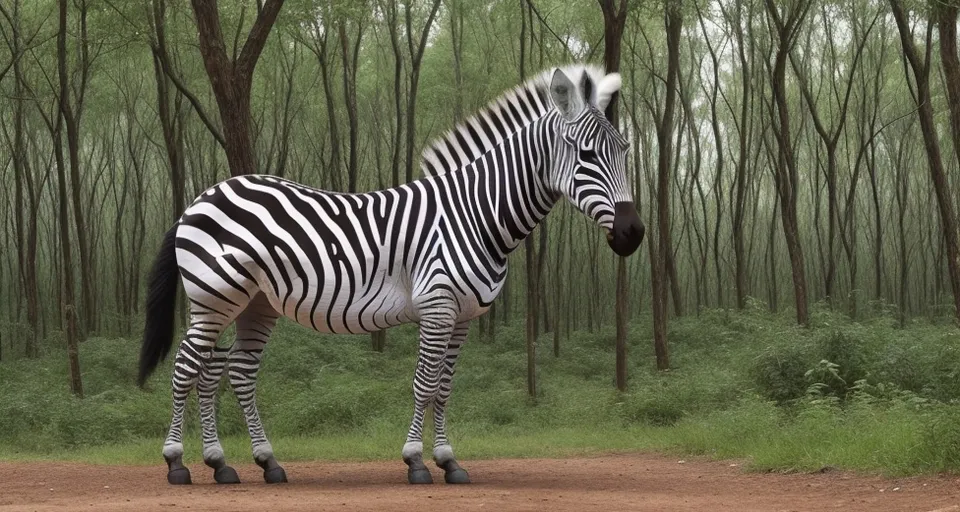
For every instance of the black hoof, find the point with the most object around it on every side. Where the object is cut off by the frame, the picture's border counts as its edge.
(179, 476)
(457, 476)
(275, 475)
(226, 475)
(419, 476)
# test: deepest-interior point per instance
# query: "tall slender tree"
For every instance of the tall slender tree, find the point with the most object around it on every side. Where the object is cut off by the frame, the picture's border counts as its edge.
(416, 45)
(946, 13)
(69, 320)
(231, 78)
(614, 19)
(785, 23)
(673, 24)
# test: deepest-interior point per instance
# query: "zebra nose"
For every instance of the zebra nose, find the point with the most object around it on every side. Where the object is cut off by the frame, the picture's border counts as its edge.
(628, 229)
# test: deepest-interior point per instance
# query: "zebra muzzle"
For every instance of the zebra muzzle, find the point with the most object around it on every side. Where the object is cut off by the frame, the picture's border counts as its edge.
(627, 232)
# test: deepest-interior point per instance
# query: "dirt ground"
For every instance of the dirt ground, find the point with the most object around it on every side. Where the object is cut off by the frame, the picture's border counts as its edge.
(644, 482)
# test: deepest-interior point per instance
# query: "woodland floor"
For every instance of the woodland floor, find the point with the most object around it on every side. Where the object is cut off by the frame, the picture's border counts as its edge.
(646, 482)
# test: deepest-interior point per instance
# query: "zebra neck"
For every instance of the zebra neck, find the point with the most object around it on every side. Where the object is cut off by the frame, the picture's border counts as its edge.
(524, 199)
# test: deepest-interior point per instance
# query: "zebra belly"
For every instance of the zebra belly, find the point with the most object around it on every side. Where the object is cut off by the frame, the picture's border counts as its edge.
(328, 309)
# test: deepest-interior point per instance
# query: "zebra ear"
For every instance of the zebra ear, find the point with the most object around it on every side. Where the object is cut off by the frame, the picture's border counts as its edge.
(608, 86)
(564, 96)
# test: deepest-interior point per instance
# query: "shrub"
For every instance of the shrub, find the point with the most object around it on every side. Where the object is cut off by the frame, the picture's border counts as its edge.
(847, 353)
(779, 372)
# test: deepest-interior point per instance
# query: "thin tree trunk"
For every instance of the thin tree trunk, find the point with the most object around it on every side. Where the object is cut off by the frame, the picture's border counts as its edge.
(68, 306)
(673, 22)
(529, 254)
(416, 56)
(391, 9)
(947, 24)
(786, 172)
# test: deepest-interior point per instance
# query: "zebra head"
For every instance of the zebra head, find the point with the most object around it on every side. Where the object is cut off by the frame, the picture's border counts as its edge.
(589, 160)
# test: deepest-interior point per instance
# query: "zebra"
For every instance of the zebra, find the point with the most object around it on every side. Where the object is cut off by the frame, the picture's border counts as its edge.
(433, 251)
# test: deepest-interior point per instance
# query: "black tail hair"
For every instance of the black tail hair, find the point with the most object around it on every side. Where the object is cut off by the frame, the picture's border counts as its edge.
(161, 307)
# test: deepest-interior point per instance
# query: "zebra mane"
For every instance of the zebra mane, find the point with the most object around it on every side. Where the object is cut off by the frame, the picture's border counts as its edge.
(509, 113)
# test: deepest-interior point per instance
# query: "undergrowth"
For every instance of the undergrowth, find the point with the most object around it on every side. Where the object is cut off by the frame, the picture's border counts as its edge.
(752, 385)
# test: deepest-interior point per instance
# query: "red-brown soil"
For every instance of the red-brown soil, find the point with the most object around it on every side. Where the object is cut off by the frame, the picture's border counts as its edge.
(643, 482)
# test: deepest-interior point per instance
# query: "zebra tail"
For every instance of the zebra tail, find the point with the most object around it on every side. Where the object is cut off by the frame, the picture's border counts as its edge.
(161, 307)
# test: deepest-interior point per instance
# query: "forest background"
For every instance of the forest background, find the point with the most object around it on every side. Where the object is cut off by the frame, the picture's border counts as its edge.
(795, 164)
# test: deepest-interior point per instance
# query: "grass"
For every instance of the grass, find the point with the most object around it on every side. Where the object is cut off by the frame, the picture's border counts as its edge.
(852, 395)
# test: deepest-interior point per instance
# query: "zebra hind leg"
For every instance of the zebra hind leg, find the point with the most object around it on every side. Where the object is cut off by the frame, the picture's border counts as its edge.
(207, 386)
(198, 363)
(253, 331)
(195, 349)
(442, 451)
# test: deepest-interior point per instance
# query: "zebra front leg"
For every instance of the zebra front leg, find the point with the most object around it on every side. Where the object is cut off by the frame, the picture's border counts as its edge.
(207, 386)
(435, 332)
(442, 451)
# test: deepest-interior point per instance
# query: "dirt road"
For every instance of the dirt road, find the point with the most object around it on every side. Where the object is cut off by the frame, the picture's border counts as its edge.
(642, 482)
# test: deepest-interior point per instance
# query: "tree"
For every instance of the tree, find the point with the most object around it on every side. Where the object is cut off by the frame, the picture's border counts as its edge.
(416, 58)
(946, 13)
(673, 23)
(350, 54)
(614, 19)
(69, 319)
(232, 78)
(25, 216)
(528, 248)
(839, 98)
(785, 26)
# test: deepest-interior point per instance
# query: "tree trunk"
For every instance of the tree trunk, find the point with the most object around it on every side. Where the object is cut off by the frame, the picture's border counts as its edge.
(232, 79)
(416, 56)
(947, 24)
(391, 9)
(456, 42)
(350, 94)
(673, 22)
(614, 19)
(529, 253)
(26, 236)
(321, 49)
(68, 306)
(71, 121)
(785, 170)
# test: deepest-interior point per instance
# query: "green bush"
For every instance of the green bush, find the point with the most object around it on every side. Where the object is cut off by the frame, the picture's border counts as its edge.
(780, 371)
(845, 350)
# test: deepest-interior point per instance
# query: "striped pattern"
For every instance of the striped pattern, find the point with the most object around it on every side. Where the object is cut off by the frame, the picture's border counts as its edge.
(254, 248)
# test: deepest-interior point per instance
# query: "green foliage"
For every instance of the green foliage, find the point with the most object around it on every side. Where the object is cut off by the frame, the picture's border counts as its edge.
(750, 384)
(780, 371)
(940, 439)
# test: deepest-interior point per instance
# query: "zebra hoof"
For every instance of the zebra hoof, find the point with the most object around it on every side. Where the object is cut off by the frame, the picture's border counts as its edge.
(419, 476)
(457, 476)
(179, 476)
(275, 475)
(226, 475)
